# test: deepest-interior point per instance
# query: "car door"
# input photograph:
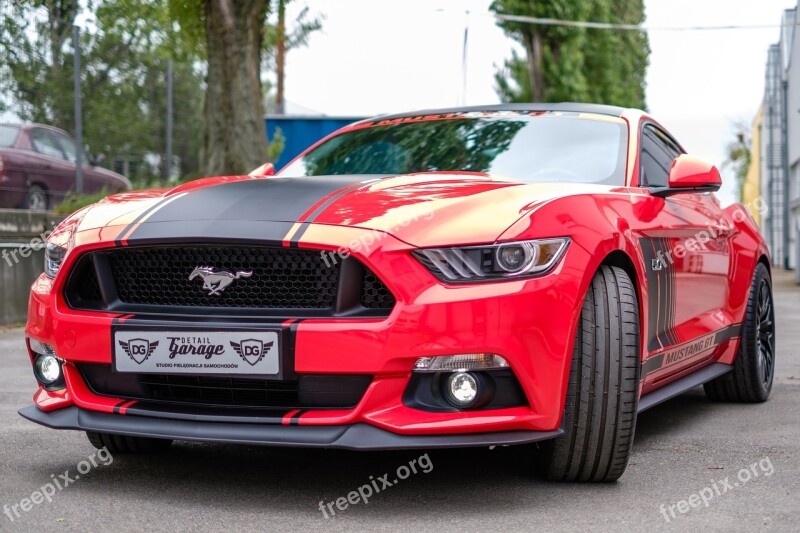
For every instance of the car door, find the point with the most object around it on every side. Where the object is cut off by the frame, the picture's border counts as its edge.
(54, 166)
(684, 242)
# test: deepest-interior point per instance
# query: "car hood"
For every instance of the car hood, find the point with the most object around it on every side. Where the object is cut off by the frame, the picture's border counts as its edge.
(423, 209)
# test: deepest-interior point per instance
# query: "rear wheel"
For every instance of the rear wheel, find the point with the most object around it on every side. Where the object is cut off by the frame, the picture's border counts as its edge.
(603, 393)
(125, 444)
(35, 199)
(754, 368)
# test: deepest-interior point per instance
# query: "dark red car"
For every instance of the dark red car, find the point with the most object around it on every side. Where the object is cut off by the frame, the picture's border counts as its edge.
(37, 168)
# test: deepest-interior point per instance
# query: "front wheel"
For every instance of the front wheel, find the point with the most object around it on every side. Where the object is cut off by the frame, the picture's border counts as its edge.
(603, 392)
(754, 368)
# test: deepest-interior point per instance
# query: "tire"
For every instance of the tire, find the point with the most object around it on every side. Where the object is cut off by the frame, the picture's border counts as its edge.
(124, 444)
(36, 199)
(753, 372)
(603, 393)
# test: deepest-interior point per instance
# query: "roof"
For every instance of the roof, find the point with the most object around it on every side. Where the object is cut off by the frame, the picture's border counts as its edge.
(573, 107)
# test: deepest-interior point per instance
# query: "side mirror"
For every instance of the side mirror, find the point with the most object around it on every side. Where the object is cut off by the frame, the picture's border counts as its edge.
(96, 159)
(690, 174)
(267, 169)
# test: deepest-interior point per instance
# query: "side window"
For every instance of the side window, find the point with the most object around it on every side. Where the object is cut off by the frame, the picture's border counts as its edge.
(658, 153)
(45, 144)
(67, 145)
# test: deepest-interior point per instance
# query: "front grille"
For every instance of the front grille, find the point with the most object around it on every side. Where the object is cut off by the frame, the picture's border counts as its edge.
(281, 278)
(374, 294)
(307, 391)
(295, 282)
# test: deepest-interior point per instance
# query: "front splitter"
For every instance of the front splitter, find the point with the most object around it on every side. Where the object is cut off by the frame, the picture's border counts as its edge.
(350, 437)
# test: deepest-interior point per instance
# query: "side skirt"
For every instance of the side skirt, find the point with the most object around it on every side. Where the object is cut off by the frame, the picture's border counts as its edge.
(682, 385)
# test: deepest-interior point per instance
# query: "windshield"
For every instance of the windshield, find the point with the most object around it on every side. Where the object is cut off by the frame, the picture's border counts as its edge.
(542, 148)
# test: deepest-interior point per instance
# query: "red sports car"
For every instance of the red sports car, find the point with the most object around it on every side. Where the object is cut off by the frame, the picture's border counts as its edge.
(466, 277)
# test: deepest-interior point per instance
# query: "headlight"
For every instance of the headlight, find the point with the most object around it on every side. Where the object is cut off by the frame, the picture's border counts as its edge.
(53, 257)
(60, 242)
(508, 260)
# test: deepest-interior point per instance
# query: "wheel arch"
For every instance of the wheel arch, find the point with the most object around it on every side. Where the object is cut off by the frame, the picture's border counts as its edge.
(619, 258)
(621, 250)
(763, 259)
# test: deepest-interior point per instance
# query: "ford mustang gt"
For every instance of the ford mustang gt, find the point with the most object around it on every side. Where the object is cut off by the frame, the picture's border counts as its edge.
(502, 275)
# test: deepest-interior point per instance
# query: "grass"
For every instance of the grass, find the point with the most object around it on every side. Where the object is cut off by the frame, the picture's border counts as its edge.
(72, 202)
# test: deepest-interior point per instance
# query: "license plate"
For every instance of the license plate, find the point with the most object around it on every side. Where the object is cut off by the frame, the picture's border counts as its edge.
(197, 352)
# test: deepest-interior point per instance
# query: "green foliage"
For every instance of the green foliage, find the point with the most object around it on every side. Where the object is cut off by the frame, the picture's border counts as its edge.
(297, 35)
(123, 57)
(738, 155)
(72, 202)
(574, 64)
(276, 145)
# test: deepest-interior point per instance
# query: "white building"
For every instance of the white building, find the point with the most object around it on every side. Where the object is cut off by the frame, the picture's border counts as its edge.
(780, 146)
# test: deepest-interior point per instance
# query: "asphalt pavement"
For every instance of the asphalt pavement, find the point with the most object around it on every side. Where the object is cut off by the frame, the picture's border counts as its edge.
(695, 465)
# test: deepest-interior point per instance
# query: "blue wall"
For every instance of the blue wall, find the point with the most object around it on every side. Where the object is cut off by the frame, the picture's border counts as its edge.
(301, 132)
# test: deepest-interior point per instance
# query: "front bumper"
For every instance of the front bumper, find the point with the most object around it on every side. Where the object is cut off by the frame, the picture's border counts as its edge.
(358, 436)
(530, 323)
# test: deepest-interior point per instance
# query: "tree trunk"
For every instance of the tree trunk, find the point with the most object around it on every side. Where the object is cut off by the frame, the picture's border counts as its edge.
(234, 136)
(533, 50)
(280, 56)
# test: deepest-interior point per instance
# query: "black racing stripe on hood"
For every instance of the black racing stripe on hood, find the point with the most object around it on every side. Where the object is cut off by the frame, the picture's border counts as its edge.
(271, 199)
(318, 211)
(176, 231)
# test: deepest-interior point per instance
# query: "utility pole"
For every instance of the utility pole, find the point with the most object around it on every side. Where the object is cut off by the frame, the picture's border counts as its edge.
(280, 57)
(76, 46)
(464, 55)
(168, 161)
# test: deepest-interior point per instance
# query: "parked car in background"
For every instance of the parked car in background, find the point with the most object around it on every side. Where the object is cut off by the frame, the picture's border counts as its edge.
(37, 168)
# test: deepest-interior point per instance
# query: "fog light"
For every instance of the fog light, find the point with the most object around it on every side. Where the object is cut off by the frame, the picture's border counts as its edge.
(461, 389)
(47, 368)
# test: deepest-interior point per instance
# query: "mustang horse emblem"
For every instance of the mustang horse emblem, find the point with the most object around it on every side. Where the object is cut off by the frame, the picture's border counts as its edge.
(216, 281)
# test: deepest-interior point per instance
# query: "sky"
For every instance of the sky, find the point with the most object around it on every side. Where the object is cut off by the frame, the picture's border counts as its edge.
(376, 57)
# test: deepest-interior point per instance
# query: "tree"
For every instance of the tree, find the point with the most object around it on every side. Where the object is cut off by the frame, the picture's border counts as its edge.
(233, 136)
(279, 41)
(571, 63)
(234, 37)
(33, 39)
(738, 155)
(123, 81)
